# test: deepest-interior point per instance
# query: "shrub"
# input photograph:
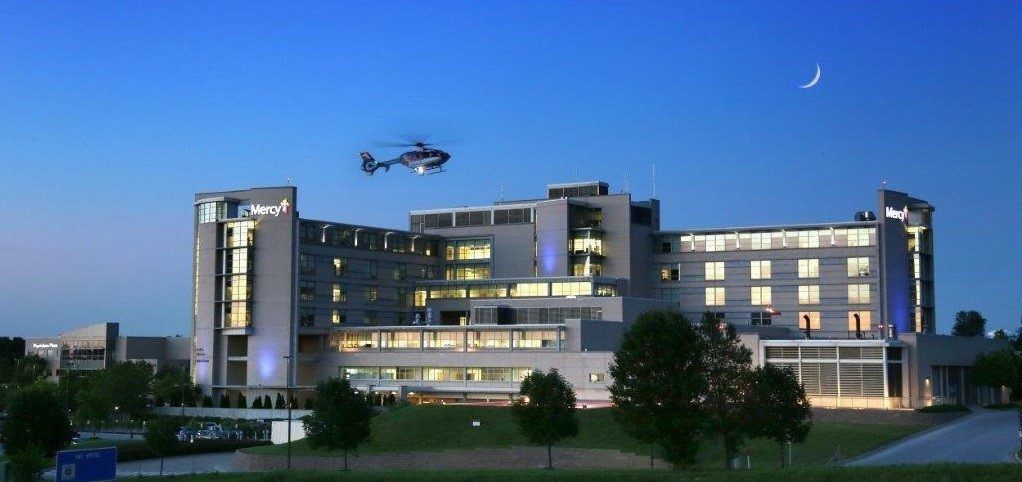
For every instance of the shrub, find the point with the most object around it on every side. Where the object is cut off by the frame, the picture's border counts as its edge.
(28, 464)
(943, 408)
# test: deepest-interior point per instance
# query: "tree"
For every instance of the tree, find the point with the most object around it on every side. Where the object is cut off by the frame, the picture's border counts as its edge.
(280, 401)
(257, 403)
(28, 463)
(546, 410)
(225, 402)
(242, 403)
(121, 388)
(1000, 334)
(266, 402)
(969, 323)
(728, 366)
(175, 387)
(161, 437)
(70, 389)
(11, 349)
(340, 418)
(997, 369)
(207, 401)
(35, 417)
(658, 382)
(778, 407)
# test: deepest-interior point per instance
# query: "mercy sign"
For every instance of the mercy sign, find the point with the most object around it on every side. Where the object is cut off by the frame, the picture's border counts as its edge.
(896, 214)
(283, 208)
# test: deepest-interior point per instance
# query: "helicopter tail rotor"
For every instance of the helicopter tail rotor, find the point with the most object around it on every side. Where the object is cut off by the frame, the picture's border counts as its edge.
(369, 163)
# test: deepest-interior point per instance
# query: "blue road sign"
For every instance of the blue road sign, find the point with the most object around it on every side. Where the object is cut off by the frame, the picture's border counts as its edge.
(87, 465)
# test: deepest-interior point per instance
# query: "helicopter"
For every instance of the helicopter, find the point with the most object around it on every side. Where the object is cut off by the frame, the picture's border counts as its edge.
(423, 160)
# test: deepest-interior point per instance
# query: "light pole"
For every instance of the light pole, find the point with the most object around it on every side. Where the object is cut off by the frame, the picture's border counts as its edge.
(288, 357)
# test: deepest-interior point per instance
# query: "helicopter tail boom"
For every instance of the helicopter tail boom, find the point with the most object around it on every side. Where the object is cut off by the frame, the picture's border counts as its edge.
(370, 165)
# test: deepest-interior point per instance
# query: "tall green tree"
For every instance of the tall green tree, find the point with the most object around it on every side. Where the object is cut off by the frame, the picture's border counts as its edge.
(174, 387)
(121, 389)
(546, 410)
(340, 418)
(728, 368)
(969, 323)
(658, 383)
(1001, 368)
(35, 417)
(161, 437)
(778, 407)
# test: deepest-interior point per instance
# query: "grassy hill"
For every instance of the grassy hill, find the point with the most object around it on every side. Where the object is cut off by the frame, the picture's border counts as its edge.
(438, 428)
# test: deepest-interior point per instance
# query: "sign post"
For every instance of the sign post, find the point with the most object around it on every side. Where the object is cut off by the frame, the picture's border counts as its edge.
(87, 465)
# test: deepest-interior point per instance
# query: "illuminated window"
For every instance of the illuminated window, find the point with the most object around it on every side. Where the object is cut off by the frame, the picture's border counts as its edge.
(419, 297)
(237, 288)
(586, 246)
(487, 291)
(237, 314)
(407, 373)
(443, 374)
(858, 267)
(470, 271)
(237, 261)
(714, 270)
(372, 294)
(812, 316)
(336, 317)
(809, 268)
(536, 340)
(519, 290)
(575, 288)
(338, 294)
(488, 374)
(211, 212)
(447, 292)
(809, 295)
(716, 242)
(758, 240)
(670, 272)
(239, 234)
(859, 320)
(444, 340)
(761, 295)
(759, 269)
(360, 373)
(467, 249)
(715, 296)
(400, 340)
(307, 291)
(859, 237)
(340, 266)
(489, 340)
(597, 377)
(354, 340)
(858, 293)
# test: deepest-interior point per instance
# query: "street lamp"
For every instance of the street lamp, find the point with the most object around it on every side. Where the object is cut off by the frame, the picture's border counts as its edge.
(289, 358)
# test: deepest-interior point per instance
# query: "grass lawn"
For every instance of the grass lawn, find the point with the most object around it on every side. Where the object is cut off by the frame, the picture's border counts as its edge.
(436, 428)
(991, 473)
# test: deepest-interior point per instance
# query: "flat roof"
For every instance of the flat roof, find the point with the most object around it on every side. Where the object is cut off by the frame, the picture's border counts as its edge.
(770, 227)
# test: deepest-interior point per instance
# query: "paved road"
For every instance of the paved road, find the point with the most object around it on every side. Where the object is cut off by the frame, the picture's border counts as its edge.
(986, 436)
(185, 464)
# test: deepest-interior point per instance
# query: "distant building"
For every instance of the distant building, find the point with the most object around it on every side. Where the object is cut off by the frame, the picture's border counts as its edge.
(94, 347)
(468, 300)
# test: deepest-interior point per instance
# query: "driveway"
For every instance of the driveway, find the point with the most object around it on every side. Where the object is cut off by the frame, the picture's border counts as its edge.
(986, 436)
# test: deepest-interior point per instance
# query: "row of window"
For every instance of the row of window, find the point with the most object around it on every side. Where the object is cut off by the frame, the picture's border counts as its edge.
(461, 249)
(858, 321)
(447, 340)
(364, 238)
(813, 238)
(437, 374)
(307, 265)
(339, 293)
(763, 295)
(514, 290)
(418, 222)
(858, 267)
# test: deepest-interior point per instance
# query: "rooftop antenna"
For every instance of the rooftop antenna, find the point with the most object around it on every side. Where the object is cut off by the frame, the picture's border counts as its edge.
(503, 192)
(654, 181)
(288, 181)
(627, 186)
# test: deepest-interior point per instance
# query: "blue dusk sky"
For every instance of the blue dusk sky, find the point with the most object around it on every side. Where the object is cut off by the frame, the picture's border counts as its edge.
(113, 114)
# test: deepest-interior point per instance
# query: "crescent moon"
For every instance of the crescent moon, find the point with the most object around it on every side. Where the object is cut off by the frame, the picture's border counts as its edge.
(813, 82)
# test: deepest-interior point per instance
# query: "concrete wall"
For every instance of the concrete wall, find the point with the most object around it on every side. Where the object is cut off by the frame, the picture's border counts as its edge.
(928, 350)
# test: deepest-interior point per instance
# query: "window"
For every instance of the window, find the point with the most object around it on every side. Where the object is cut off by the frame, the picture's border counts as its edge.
(306, 316)
(811, 238)
(336, 317)
(716, 242)
(400, 272)
(407, 373)
(307, 291)
(519, 290)
(759, 240)
(340, 266)
(670, 245)
(419, 298)
(373, 269)
(860, 318)
(237, 288)
(585, 245)
(715, 296)
(211, 212)
(446, 292)
(238, 261)
(360, 373)
(369, 317)
(813, 318)
(306, 264)
(714, 271)
(536, 340)
(443, 374)
(760, 318)
(512, 216)
(353, 340)
(400, 340)
(469, 271)
(444, 340)
(759, 269)
(488, 374)
(597, 377)
(487, 291)
(578, 288)
(670, 272)
(858, 293)
(809, 268)
(859, 237)
(467, 249)
(760, 295)
(858, 267)
(372, 294)
(809, 295)
(338, 294)
(489, 340)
